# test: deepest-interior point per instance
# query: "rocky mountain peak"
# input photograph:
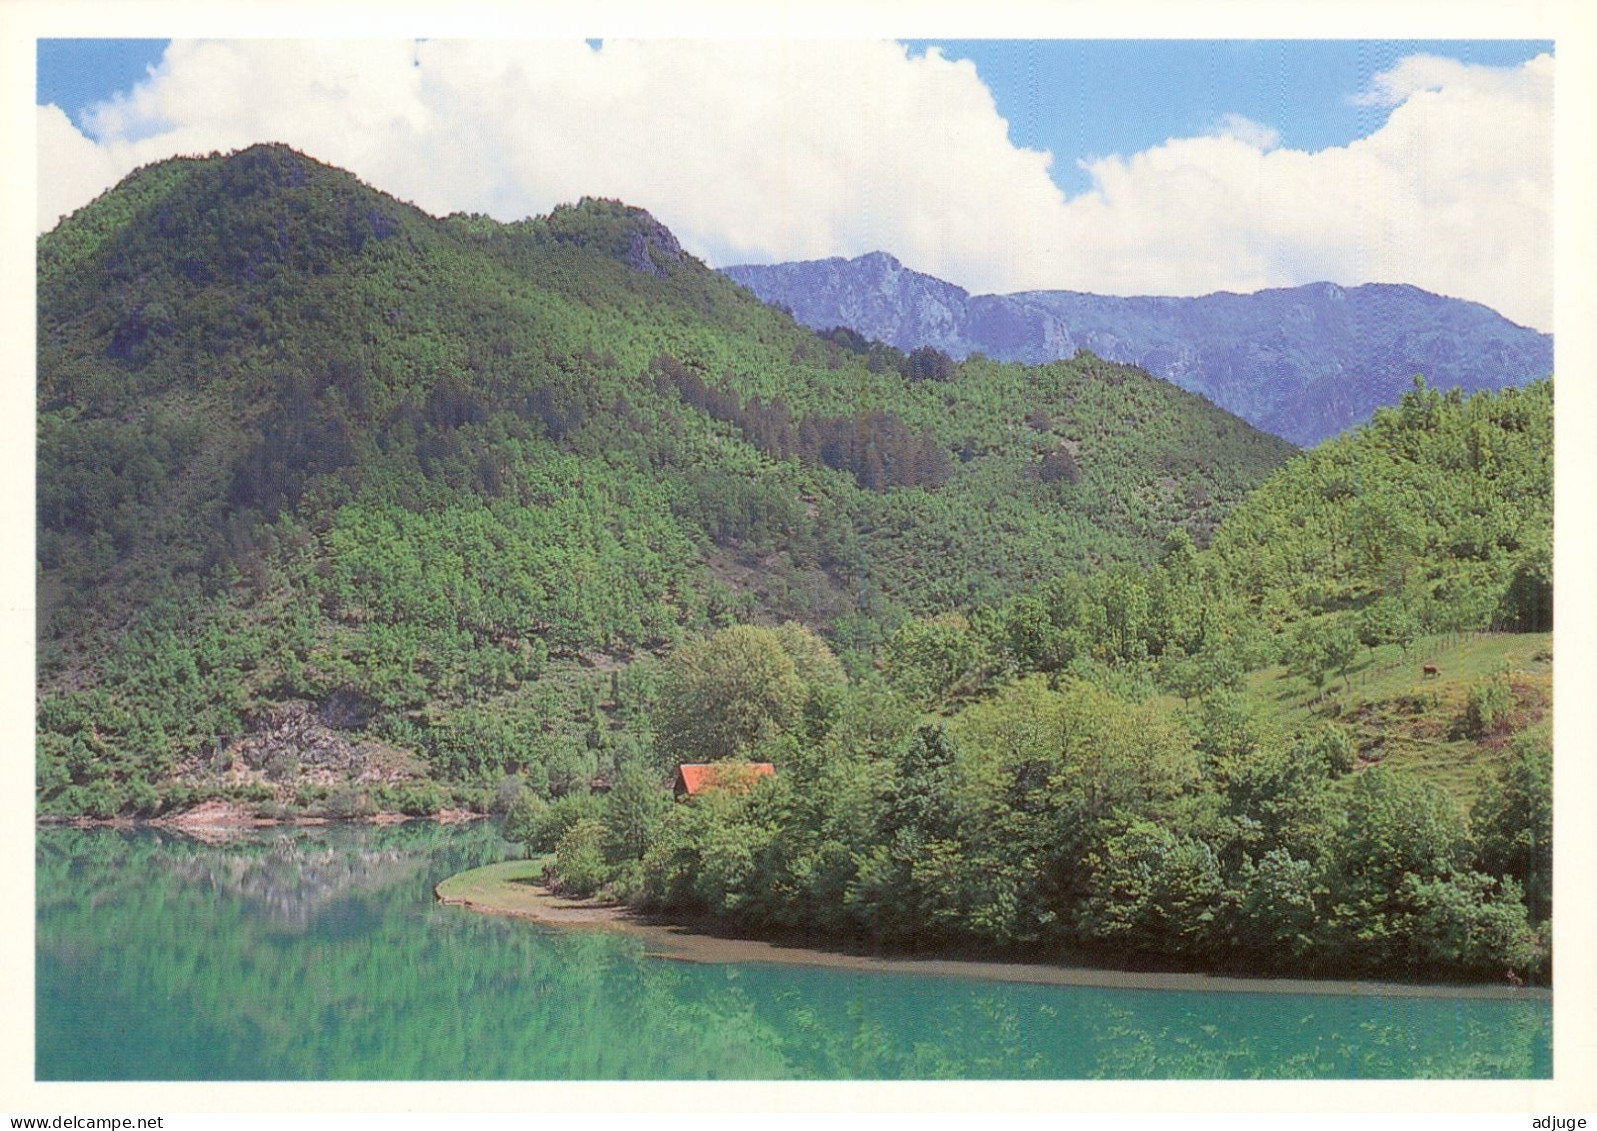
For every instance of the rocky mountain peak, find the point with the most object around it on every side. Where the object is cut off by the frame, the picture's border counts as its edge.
(1302, 362)
(621, 231)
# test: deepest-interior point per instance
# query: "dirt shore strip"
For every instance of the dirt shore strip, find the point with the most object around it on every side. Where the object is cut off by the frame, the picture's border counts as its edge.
(514, 888)
(226, 816)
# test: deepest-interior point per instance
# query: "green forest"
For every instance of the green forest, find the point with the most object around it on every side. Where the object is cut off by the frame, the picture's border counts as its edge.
(345, 509)
(1231, 759)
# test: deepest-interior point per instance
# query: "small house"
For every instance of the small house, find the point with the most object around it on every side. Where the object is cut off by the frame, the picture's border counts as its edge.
(695, 778)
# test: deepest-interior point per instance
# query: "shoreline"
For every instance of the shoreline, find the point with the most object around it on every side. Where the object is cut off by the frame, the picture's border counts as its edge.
(506, 889)
(227, 818)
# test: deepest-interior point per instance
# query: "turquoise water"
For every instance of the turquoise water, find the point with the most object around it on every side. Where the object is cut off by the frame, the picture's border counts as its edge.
(319, 954)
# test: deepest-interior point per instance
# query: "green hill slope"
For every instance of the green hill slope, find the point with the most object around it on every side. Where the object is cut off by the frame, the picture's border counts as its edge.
(342, 505)
(1301, 749)
(1441, 506)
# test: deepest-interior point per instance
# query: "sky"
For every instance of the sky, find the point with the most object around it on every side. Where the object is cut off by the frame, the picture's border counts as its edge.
(1118, 167)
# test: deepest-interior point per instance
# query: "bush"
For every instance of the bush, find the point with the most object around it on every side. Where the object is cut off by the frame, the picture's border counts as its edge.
(1330, 745)
(141, 798)
(523, 818)
(506, 793)
(463, 795)
(626, 881)
(100, 799)
(181, 795)
(348, 800)
(1512, 822)
(413, 798)
(579, 858)
(1490, 700)
(1474, 924)
(540, 825)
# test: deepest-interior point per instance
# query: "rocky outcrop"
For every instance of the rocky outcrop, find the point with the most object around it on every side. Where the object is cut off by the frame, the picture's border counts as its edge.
(874, 295)
(293, 733)
(621, 231)
(651, 249)
(299, 741)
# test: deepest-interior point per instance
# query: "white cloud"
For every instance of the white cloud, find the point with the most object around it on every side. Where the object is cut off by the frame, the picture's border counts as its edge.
(767, 150)
(72, 169)
(1247, 131)
(1416, 73)
(1452, 194)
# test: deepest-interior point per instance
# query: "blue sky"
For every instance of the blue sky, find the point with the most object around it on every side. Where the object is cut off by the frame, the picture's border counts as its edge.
(1092, 98)
(1119, 167)
(75, 73)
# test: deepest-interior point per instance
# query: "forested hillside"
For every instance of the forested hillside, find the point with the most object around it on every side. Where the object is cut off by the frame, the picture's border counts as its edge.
(1322, 745)
(344, 506)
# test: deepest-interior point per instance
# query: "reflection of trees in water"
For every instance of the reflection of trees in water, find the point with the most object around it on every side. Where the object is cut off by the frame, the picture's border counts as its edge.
(895, 1027)
(290, 876)
(183, 946)
(180, 944)
(292, 884)
(1327, 1038)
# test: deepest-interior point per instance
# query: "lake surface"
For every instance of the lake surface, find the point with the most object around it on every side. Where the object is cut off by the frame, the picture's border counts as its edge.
(320, 954)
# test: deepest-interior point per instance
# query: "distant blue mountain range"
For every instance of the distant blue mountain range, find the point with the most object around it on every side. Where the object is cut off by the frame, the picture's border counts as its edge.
(1302, 362)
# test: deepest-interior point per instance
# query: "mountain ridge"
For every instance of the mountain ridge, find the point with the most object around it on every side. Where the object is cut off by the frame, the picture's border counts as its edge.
(1303, 363)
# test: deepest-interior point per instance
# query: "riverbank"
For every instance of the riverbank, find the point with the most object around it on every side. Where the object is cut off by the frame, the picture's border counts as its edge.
(514, 888)
(217, 819)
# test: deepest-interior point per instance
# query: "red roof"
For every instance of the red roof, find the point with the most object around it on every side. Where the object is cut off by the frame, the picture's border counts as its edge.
(694, 778)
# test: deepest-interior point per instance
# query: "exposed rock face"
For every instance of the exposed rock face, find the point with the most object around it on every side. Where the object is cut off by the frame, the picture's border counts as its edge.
(620, 231)
(1301, 362)
(301, 741)
(874, 294)
(651, 249)
(1015, 331)
(294, 732)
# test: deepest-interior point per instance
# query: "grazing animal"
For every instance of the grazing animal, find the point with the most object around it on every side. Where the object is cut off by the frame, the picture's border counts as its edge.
(1429, 670)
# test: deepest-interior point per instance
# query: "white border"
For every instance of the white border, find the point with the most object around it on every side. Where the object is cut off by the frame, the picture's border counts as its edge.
(1567, 22)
